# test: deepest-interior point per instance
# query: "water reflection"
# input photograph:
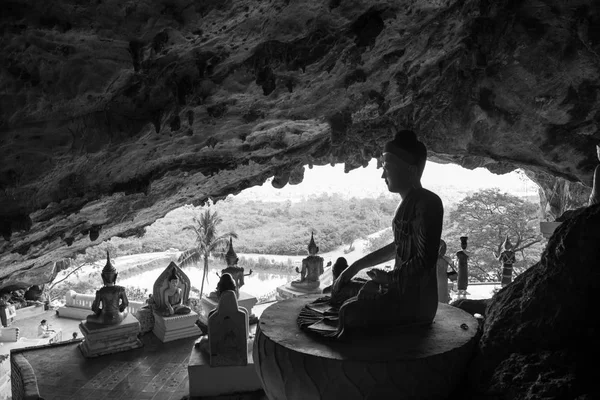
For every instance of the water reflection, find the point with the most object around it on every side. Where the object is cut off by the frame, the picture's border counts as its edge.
(257, 284)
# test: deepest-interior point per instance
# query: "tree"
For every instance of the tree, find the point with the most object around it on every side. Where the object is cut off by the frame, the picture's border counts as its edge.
(486, 217)
(207, 241)
(350, 234)
(70, 267)
(378, 241)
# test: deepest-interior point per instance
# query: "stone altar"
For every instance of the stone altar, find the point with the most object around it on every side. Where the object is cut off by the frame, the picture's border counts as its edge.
(228, 331)
(224, 366)
(176, 326)
(407, 363)
(108, 339)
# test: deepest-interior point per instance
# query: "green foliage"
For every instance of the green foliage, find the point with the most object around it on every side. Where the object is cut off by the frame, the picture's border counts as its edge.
(486, 217)
(263, 264)
(136, 294)
(285, 228)
(265, 227)
(383, 239)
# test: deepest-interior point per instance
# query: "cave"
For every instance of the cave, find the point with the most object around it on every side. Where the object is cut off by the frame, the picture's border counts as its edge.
(114, 113)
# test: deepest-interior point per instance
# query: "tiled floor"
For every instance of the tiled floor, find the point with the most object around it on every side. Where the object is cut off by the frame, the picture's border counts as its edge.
(156, 371)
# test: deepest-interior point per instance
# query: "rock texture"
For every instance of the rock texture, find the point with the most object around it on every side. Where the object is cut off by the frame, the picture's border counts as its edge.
(114, 112)
(540, 338)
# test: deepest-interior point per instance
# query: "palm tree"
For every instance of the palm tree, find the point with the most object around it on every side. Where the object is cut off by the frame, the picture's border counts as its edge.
(207, 241)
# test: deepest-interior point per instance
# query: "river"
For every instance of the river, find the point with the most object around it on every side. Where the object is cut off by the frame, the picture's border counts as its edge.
(257, 284)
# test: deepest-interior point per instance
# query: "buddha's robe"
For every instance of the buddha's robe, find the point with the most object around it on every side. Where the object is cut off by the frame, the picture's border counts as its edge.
(175, 301)
(442, 279)
(411, 296)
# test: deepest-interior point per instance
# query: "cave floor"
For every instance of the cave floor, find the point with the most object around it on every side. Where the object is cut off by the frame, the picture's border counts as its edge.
(156, 371)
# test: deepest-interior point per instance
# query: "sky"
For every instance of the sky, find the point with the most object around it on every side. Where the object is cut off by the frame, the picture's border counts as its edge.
(450, 181)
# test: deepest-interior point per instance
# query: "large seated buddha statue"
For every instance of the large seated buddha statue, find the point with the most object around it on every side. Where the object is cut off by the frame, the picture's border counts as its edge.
(110, 305)
(406, 295)
(312, 268)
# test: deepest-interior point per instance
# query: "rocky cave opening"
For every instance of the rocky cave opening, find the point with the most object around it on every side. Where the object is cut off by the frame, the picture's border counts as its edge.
(114, 113)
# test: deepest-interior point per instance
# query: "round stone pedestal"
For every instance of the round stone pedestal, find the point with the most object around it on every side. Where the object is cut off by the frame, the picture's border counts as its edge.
(409, 363)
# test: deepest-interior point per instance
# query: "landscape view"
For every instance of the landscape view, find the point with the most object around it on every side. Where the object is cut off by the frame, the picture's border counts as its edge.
(349, 214)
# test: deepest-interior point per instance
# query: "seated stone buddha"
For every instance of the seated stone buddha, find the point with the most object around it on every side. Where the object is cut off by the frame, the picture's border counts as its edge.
(312, 268)
(173, 298)
(406, 295)
(171, 291)
(110, 304)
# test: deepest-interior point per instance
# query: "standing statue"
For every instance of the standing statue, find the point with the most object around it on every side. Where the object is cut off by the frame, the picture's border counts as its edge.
(110, 304)
(173, 297)
(507, 258)
(463, 268)
(312, 268)
(407, 295)
(443, 262)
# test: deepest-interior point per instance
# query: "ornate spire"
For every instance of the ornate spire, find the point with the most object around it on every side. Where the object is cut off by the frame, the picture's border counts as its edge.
(231, 258)
(312, 246)
(109, 272)
(507, 245)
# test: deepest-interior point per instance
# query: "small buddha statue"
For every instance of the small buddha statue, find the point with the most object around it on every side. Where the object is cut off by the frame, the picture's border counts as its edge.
(312, 268)
(407, 295)
(110, 304)
(173, 298)
(463, 268)
(507, 258)
(237, 273)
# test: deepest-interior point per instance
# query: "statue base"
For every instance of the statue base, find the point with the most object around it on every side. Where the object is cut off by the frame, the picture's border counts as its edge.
(107, 339)
(205, 380)
(419, 362)
(244, 300)
(9, 334)
(290, 292)
(175, 327)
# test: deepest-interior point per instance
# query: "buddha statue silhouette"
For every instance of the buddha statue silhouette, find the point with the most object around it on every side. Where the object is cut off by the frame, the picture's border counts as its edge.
(110, 304)
(173, 297)
(312, 268)
(408, 294)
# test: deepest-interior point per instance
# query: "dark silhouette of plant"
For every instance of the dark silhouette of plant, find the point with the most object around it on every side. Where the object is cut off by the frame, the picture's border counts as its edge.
(208, 241)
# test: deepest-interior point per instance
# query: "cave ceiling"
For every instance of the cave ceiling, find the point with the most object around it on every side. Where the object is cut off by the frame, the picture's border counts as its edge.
(113, 112)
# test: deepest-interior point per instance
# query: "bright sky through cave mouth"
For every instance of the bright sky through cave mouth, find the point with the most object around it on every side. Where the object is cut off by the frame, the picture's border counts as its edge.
(450, 181)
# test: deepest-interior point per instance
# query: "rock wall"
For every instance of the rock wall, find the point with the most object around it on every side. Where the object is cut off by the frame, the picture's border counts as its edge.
(540, 338)
(113, 113)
